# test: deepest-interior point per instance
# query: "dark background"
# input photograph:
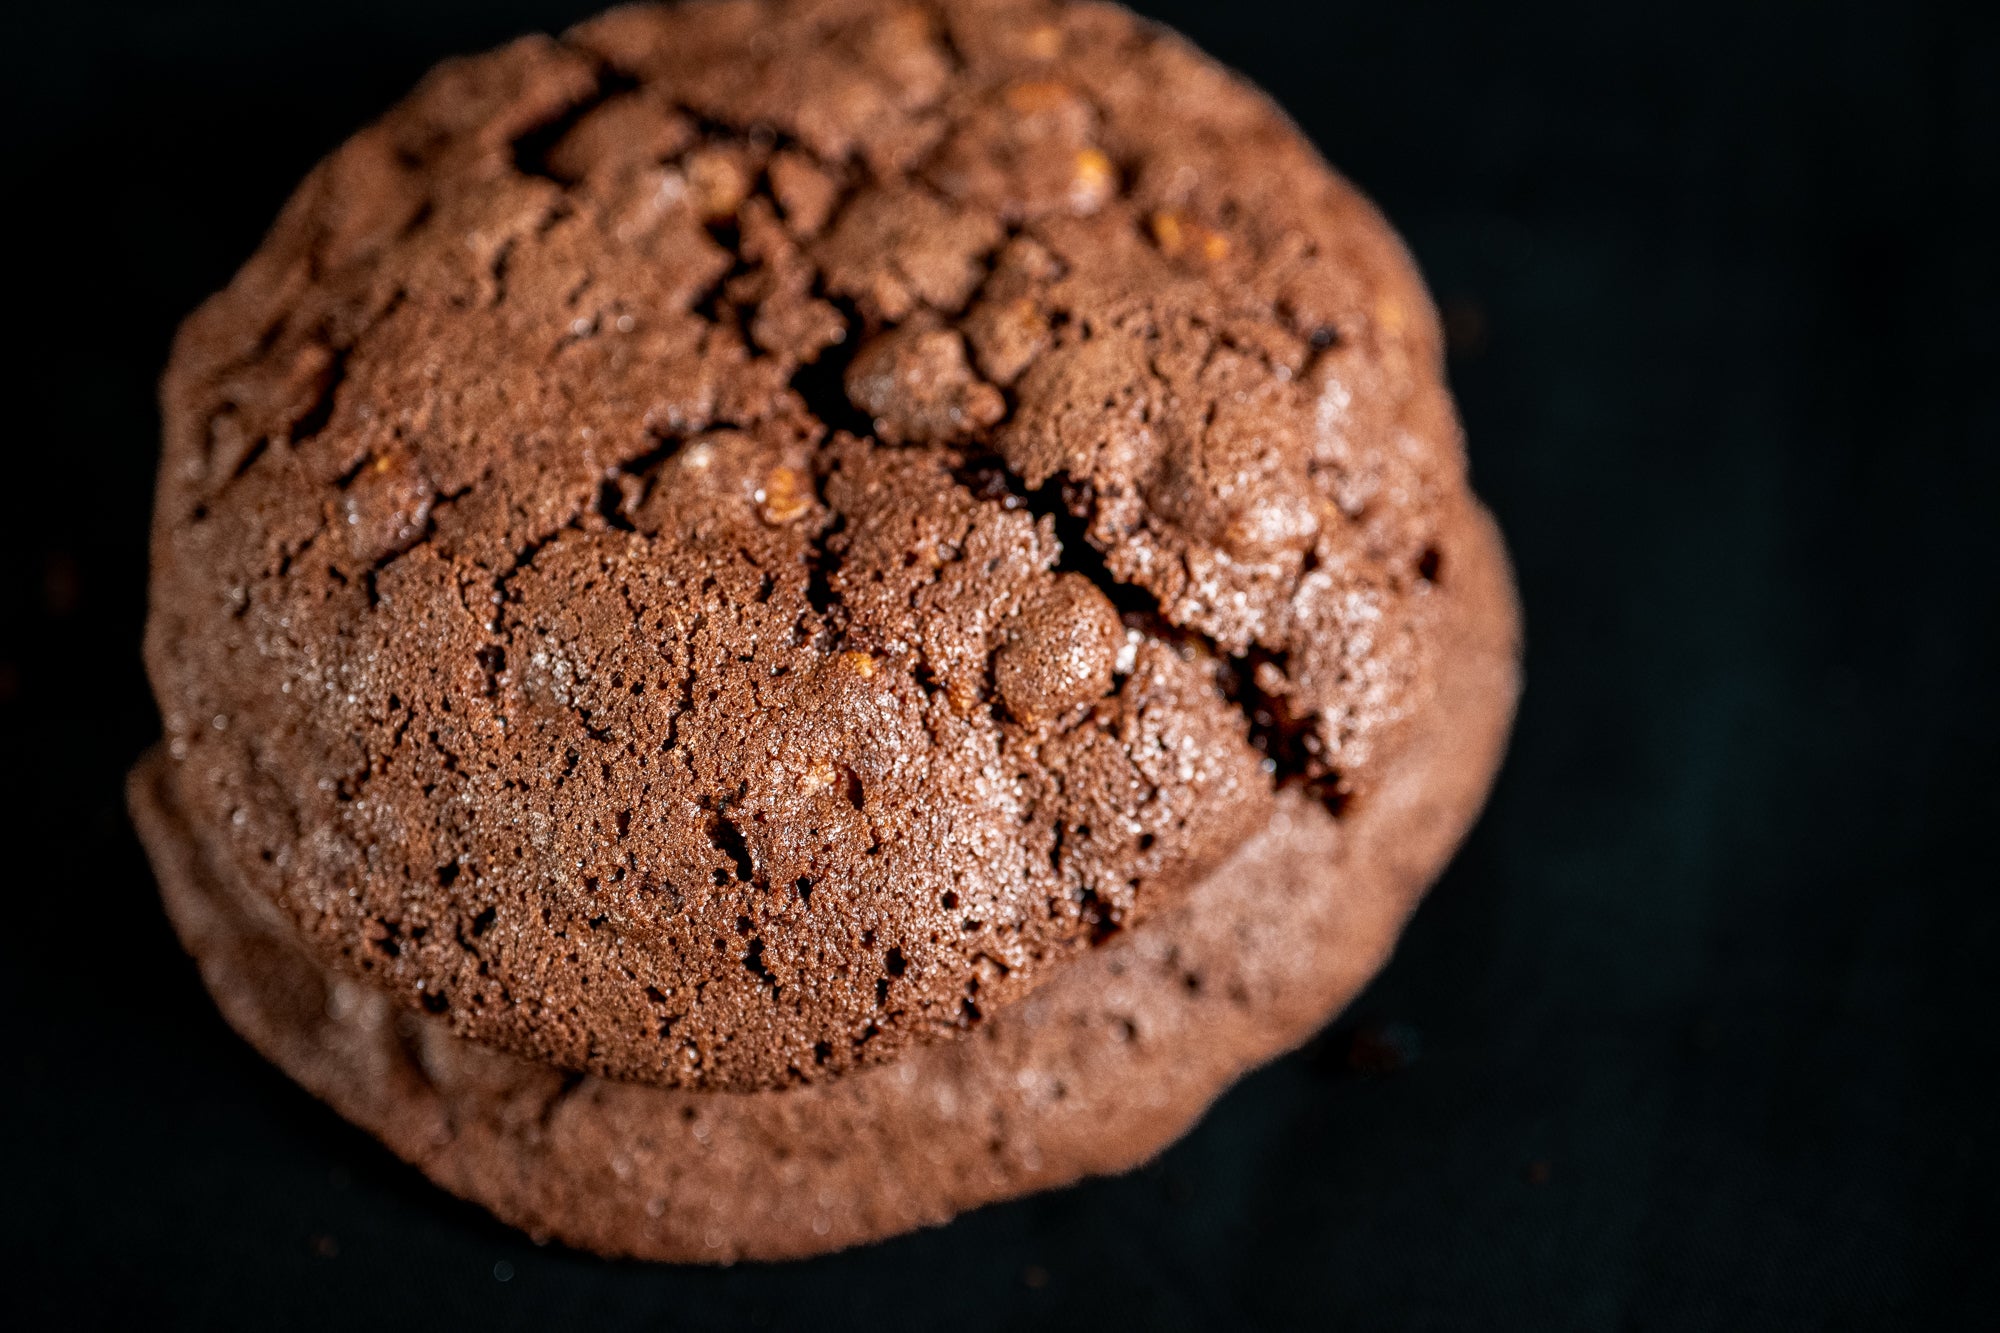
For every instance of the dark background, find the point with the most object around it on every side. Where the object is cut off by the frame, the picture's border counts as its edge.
(1695, 1032)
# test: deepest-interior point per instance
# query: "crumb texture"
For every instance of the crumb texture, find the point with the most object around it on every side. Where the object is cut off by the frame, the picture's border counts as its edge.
(715, 549)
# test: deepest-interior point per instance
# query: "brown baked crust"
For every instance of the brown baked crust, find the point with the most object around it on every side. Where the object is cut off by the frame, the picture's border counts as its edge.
(1095, 1072)
(715, 549)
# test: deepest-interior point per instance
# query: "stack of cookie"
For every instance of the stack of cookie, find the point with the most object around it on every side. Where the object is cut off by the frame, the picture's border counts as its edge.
(780, 618)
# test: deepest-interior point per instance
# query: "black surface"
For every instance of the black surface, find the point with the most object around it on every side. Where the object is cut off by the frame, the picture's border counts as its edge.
(1692, 1035)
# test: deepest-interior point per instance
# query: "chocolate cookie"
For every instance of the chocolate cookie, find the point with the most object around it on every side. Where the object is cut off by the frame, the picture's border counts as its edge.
(718, 551)
(1095, 1072)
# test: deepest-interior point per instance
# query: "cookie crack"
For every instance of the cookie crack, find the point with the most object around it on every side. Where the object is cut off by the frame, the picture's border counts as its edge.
(530, 150)
(1286, 742)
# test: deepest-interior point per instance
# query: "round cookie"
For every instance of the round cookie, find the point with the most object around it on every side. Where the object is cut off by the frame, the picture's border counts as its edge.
(718, 549)
(1097, 1071)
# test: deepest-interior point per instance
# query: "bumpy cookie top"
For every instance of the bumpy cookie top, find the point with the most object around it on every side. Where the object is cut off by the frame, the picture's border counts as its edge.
(714, 548)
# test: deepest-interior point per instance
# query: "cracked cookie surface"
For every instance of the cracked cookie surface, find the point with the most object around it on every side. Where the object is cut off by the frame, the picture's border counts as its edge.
(714, 549)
